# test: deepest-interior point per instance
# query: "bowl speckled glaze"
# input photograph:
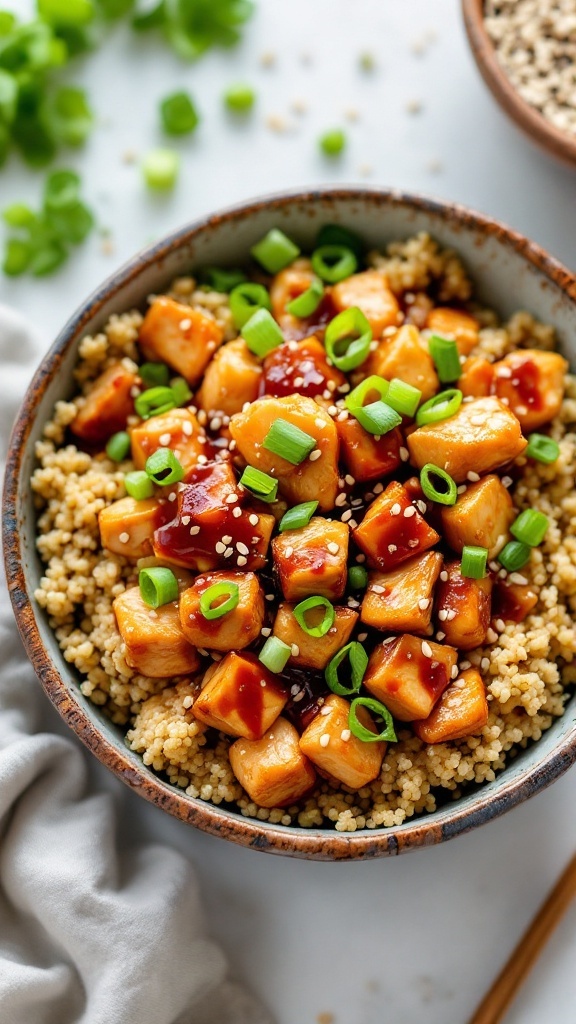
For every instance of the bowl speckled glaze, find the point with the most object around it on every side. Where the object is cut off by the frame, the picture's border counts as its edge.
(509, 272)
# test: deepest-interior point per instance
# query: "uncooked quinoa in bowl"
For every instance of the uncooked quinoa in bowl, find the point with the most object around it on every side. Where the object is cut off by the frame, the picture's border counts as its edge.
(308, 530)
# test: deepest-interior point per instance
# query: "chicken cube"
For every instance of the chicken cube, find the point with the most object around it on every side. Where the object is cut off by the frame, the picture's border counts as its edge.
(369, 291)
(453, 323)
(312, 560)
(463, 607)
(314, 651)
(409, 674)
(365, 457)
(330, 745)
(234, 630)
(481, 516)
(181, 336)
(393, 530)
(400, 601)
(314, 478)
(512, 602)
(476, 378)
(532, 382)
(479, 438)
(240, 697)
(154, 642)
(107, 405)
(231, 379)
(273, 770)
(127, 526)
(178, 429)
(461, 711)
(300, 367)
(405, 356)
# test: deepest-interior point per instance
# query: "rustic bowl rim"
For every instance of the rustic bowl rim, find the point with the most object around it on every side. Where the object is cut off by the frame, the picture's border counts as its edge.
(560, 143)
(310, 844)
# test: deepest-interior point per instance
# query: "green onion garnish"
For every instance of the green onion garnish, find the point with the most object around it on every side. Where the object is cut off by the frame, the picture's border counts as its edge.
(378, 709)
(160, 169)
(308, 302)
(154, 402)
(514, 555)
(221, 280)
(239, 98)
(178, 114)
(66, 12)
(377, 417)
(358, 661)
(275, 251)
(347, 339)
(357, 577)
(444, 352)
(297, 517)
(356, 397)
(262, 486)
(138, 485)
(163, 467)
(542, 448)
(158, 586)
(180, 391)
(441, 407)
(275, 654)
(333, 263)
(261, 333)
(155, 374)
(118, 446)
(333, 142)
(288, 441)
(403, 397)
(307, 606)
(230, 591)
(335, 234)
(474, 562)
(245, 300)
(530, 527)
(448, 493)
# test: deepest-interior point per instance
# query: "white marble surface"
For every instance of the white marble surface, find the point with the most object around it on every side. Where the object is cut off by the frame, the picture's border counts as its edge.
(396, 941)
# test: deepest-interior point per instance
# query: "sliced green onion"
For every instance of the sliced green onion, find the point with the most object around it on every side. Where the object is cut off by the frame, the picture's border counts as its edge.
(333, 142)
(160, 169)
(221, 280)
(17, 257)
(530, 527)
(154, 402)
(118, 446)
(441, 407)
(178, 114)
(158, 586)
(358, 395)
(403, 397)
(444, 352)
(288, 441)
(138, 485)
(297, 517)
(18, 215)
(155, 374)
(308, 605)
(275, 654)
(357, 577)
(388, 734)
(66, 12)
(333, 263)
(275, 251)
(261, 333)
(308, 302)
(474, 562)
(239, 98)
(180, 391)
(335, 234)
(358, 661)
(61, 190)
(377, 418)
(347, 339)
(449, 492)
(230, 591)
(246, 299)
(163, 467)
(542, 448)
(259, 484)
(514, 555)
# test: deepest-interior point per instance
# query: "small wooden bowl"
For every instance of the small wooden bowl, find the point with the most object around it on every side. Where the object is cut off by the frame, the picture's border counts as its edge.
(555, 141)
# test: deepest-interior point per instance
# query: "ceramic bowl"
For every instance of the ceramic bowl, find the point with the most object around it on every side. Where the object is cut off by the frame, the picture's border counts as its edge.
(559, 143)
(510, 273)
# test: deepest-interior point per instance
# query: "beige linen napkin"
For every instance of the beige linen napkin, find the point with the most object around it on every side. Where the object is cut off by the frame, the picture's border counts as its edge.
(89, 933)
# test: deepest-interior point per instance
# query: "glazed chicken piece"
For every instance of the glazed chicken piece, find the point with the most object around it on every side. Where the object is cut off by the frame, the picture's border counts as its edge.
(393, 530)
(273, 770)
(481, 516)
(288, 285)
(301, 367)
(232, 378)
(365, 457)
(532, 384)
(127, 526)
(107, 406)
(463, 607)
(240, 697)
(476, 378)
(178, 429)
(183, 337)
(405, 356)
(453, 323)
(154, 641)
(408, 674)
(479, 438)
(369, 291)
(461, 711)
(341, 755)
(312, 560)
(512, 602)
(401, 601)
(314, 651)
(232, 631)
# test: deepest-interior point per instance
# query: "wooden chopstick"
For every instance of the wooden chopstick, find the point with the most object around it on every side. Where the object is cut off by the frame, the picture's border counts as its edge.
(497, 1000)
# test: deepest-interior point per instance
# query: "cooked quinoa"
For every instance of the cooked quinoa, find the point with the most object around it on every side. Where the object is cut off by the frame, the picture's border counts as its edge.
(526, 669)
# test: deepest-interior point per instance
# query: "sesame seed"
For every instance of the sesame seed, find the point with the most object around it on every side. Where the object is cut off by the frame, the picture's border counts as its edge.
(219, 547)
(152, 613)
(502, 574)
(229, 552)
(185, 520)
(346, 515)
(362, 636)
(320, 423)
(253, 519)
(134, 391)
(332, 410)
(472, 476)
(342, 415)
(242, 548)
(396, 509)
(295, 650)
(451, 614)
(461, 489)
(292, 347)
(172, 496)
(454, 671)
(353, 603)
(215, 423)
(265, 631)
(376, 588)
(298, 382)
(340, 500)
(356, 502)
(440, 635)
(392, 548)
(194, 530)
(227, 539)
(202, 459)
(187, 702)
(349, 480)
(378, 488)
(409, 511)
(289, 551)
(124, 538)
(500, 625)
(202, 651)
(237, 512)
(324, 740)
(187, 428)
(423, 603)
(426, 649)
(185, 324)
(299, 696)
(202, 417)
(413, 543)
(269, 597)
(507, 481)
(345, 735)
(315, 455)
(333, 548)
(485, 664)
(241, 560)
(231, 498)
(262, 682)
(517, 577)
(294, 689)
(442, 615)
(404, 454)
(327, 394)
(324, 711)
(503, 371)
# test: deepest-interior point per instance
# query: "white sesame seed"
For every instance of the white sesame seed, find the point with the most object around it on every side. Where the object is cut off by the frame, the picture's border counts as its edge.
(134, 391)
(237, 512)
(315, 454)
(219, 547)
(295, 650)
(124, 538)
(353, 603)
(202, 459)
(262, 682)
(299, 696)
(500, 625)
(215, 423)
(202, 651)
(507, 481)
(231, 498)
(325, 711)
(241, 560)
(346, 515)
(185, 324)
(253, 519)
(423, 603)
(485, 664)
(187, 428)
(378, 488)
(229, 552)
(450, 614)
(294, 689)
(289, 551)
(194, 530)
(345, 735)
(324, 740)
(461, 489)
(454, 671)
(443, 615)
(503, 371)
(404, 454)
(376, 588)
(422, 507)
(242, 549)
(298, 382)
(187, 702)
(472, 476)
(350, 480)
(392, 548)
(320, 423)
(356, 502)
(426, 649)
(333, 548)
(440, 635)
(270, 597)
(265, 631)
(396, 509)
(172, 496)
(517, 577)
(227, 539)
(502, 574)
(332, 410)
(340, 500)
(342, 415)
(464, 665)
(409, 511)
